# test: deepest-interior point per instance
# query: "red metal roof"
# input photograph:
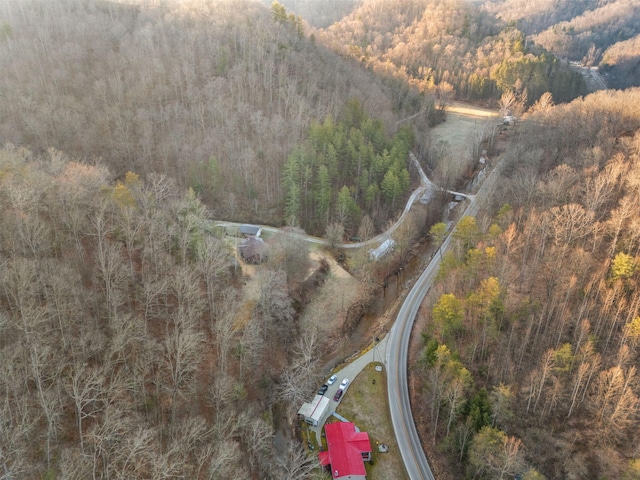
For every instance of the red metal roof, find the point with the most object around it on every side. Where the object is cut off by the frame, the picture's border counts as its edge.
(324, 457)
(346, 447)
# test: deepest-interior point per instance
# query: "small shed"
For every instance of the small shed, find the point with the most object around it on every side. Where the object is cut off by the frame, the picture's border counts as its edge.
(384, 248)
(253, 250)
(313, 412)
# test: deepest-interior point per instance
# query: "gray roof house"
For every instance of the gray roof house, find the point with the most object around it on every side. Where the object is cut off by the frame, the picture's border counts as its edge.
(247, 230)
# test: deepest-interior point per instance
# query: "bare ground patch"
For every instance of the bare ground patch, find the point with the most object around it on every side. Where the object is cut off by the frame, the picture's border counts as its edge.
(328, 308)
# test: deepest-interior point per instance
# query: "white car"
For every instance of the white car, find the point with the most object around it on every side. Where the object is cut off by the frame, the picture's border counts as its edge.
(344, 384)
(332, 379)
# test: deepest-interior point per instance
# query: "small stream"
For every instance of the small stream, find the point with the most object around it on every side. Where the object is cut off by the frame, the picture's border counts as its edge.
(370, 325)
(385, 299)
(396, 285)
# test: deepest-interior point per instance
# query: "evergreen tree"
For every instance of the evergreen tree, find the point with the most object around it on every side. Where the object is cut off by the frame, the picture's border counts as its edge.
(323, 195)
(291, 178)
(391, 188)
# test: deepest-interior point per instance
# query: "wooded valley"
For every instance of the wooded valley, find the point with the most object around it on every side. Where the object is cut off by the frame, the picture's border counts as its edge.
(136, 343)
(531, 339)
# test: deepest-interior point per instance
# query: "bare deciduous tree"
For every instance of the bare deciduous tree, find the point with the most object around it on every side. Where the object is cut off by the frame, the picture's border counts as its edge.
(225, 461)
(615, 401)
(569, 223)
(299, 378)
(256, 436)
(538, 379)
(214, 262)
(274, 305)
(296, 464)
(85, 387)
(334, 234)
(183, 349)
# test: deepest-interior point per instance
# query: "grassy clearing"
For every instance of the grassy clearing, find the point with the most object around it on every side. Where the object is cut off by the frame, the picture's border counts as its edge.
(366, 405)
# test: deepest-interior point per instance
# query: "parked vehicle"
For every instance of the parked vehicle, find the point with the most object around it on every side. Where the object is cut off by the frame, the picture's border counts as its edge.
(323, 389)
(338, 394)
(332, 379)
(344, 383)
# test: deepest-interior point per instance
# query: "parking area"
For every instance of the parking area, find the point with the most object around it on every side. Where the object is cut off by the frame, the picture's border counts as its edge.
(350, 371)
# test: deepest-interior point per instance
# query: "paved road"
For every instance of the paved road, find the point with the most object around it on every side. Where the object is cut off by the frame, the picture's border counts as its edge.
(429, 184)
(397, 350)
(598, 79)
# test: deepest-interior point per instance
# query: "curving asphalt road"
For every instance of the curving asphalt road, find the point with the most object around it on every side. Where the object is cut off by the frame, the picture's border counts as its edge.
(397, 352)
(397, 342)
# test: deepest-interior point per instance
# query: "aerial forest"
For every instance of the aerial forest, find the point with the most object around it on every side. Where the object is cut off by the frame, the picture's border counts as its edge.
(531, 337)
(213, 95)
(451, 48)
(137, 342)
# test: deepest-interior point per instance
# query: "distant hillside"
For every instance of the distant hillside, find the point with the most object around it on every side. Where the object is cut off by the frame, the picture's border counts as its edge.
(447, 46)
(580, 30)
(621, 63)
(319, 13)
(213, 94)
(534, 17)
(585, 36)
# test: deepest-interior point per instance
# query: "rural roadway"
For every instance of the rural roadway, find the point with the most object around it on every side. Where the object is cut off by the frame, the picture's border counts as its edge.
(396, 344)
(397, 341)
(427, 187)
(397, 352)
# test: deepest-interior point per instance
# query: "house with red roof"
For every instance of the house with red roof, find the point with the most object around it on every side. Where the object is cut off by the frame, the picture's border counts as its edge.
(348, 449)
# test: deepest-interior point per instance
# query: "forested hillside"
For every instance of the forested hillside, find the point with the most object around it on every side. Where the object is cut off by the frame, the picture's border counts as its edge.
(531, 340)
(354, 157)
(534, 17)
(584, 37)
(449, 47)
(130, 348)
(621, 63)
(321, 13)
(580, 30)
(213, 94)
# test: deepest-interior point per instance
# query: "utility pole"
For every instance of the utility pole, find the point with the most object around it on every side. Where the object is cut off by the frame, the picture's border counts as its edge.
(375, 346)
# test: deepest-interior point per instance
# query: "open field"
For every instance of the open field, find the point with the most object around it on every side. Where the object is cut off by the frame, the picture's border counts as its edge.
(462, 124)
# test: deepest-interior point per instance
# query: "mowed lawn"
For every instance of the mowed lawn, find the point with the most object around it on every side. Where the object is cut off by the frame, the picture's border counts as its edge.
(365, 403)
